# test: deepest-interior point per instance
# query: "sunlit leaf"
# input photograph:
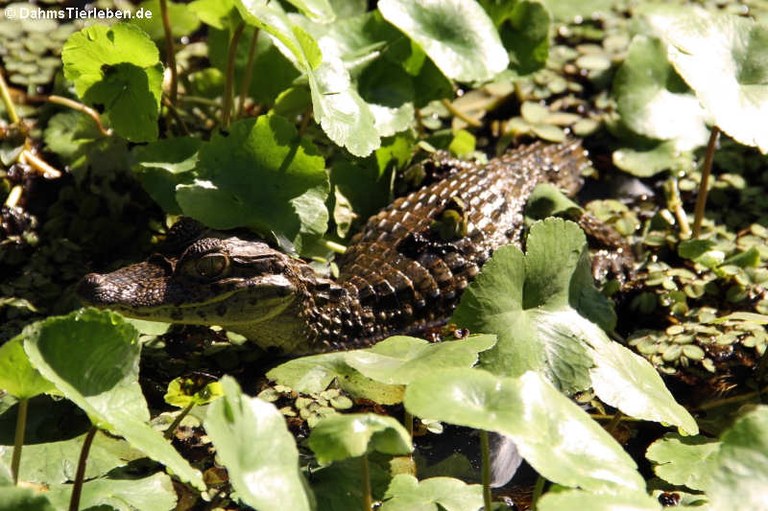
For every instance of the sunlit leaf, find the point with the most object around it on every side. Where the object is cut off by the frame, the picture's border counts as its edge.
(651, 159)
(723, 58)
(740, 475)
(406, 493)
(259, 452)
(337, 106)
(316, 10)
(518, 298)
(117, 67)
(56, 462)
(400, 359)
(627, 381)
(545, 311)
(153, 493)
(92, 357)
(683, 461)
(17, 376)
(338, 437)
(552, 433)
(652, 101)
(312, 374)
(457, 35)
(261, 175)
(577, 499)
(186, 391)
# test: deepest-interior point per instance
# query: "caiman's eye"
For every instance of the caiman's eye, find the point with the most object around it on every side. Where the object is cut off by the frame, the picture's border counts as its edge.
(210, 266)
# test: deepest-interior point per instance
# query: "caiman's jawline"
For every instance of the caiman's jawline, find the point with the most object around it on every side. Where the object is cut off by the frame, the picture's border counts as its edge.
(404, 271)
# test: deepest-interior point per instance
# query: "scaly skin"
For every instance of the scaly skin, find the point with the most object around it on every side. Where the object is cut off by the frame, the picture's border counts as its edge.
(403, 273)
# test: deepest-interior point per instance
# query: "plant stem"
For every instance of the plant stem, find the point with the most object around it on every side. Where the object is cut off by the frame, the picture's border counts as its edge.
(701, 199)
(334, 247)
(13, 196)
(229, 79)
(366, 475)
(731, 400)
(485, 473)
(461, 115)
(77, 487)
(408, 421)
(74, 105)
(12, 115)
(175, 114)
(615, 421)
(180, 417)
(18, 441)
(675, 204)
(170, 55)
(38, 164)
(245, 85)
(538, 490)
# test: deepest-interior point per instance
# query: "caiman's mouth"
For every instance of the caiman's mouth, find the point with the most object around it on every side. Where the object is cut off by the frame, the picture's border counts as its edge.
(229, 302)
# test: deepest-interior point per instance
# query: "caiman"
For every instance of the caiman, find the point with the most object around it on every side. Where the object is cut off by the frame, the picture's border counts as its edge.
(403, 273)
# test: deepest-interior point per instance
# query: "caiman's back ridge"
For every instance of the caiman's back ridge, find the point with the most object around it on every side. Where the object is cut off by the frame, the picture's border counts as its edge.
(404, 272)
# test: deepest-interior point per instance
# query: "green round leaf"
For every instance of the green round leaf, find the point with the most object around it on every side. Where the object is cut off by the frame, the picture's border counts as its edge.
(260, 454)
(406, 493)
(457, 35)
(630, 383)
(740, 476)
(117, 67)
(400, 359)
(183, 20)
(261, 175)
(344, 116)
(552, 433)
(54, 462)
(683, 461)
(577, 499)
(528, 301)
(153, 493)
(92, 357)
(723, 59)
(17, 376)
(314, 373)
(339, 437)
(652, 103)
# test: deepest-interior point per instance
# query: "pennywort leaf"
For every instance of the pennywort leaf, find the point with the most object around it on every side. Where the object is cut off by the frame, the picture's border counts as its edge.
(457, 35)
(537, 417)
(338, 437)
(406, 493)
(337, 106)
(548, 316)
(118, 68)
(653, 101)
(400, 359)
(92, 357)
(261, 175)
(260, 454)
(723, 59)
(740, 475)
(17, 376)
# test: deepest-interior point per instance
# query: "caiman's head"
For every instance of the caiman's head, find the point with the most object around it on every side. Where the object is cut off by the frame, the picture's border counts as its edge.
(207, 278)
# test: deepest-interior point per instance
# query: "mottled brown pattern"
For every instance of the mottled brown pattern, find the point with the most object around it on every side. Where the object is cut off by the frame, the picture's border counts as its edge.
(400, 274)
